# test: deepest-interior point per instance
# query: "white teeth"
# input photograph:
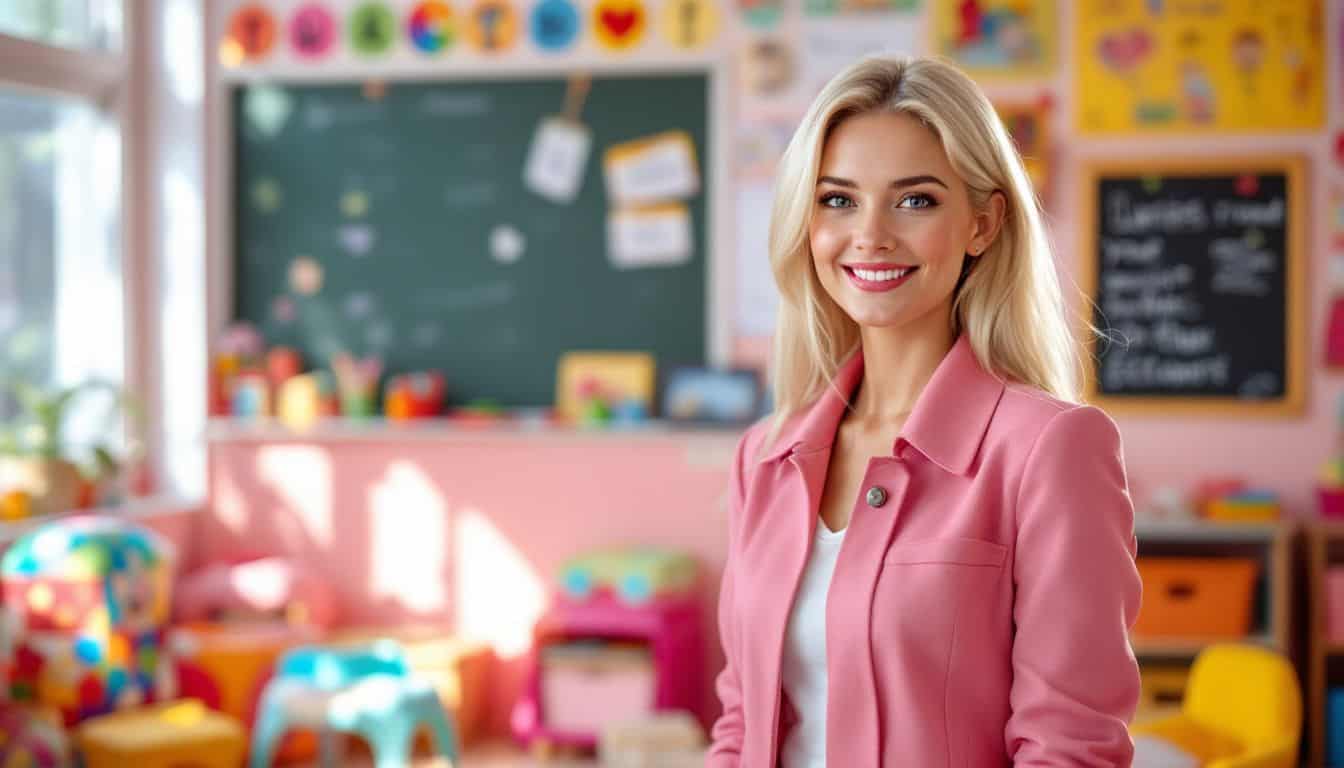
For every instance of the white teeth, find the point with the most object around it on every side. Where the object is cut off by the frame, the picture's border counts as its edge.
(879, 276)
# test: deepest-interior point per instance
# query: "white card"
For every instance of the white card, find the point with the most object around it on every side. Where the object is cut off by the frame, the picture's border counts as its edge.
(651, 170)
(649, 237)
(556, 159)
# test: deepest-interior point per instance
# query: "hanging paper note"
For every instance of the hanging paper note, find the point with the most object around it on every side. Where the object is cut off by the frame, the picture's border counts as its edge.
(559, 151)
(649, 237)
(650, 170)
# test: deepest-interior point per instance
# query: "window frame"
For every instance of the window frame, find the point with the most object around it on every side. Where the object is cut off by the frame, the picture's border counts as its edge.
(118, 85)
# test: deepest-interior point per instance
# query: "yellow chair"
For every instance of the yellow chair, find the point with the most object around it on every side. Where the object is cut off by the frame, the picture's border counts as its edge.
(163, 736)
(1242, 709)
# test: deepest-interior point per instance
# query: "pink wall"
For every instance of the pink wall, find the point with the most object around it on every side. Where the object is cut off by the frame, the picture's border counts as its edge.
(467, 531)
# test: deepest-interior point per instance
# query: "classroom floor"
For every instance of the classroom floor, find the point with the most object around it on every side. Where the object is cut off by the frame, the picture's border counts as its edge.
(500, 755)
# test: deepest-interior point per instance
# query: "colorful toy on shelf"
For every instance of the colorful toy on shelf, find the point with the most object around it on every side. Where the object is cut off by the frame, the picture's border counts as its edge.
(282, 364)
(32, 736)
(414, 395)
(238, 349)
(88, 597)
(165, 736)
(305, 399)
(1248, 506)
(635, 576)
(366, 691)
(250, 396)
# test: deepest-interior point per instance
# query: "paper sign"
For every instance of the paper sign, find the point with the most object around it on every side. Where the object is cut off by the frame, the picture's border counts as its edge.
(832, 44)
(651, 170)
(649, 237)
(556, 159)
(757, 297)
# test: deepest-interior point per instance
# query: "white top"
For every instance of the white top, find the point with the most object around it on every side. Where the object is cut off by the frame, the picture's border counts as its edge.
(804, 668)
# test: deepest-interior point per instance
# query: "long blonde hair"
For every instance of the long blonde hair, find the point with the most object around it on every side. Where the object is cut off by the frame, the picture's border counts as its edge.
(1010, 305)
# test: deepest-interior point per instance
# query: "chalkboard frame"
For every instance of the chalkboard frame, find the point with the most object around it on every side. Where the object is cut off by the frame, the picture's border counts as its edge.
(1293, 168)
(720, 228)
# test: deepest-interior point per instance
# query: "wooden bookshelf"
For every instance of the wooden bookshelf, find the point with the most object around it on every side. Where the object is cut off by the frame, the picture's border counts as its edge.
(1325, 545)
(1271, 544)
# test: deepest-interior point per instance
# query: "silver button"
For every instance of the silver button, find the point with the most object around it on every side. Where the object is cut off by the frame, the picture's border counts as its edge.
(877, 496)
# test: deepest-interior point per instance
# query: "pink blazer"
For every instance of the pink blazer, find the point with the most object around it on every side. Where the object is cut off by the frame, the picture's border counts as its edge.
(978, 617)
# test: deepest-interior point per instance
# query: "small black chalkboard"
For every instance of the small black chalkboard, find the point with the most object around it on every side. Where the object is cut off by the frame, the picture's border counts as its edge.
(1195, 270)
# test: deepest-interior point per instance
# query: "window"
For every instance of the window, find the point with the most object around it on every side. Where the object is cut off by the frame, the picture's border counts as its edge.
(87, 24)
(61, 308)
(63, 316)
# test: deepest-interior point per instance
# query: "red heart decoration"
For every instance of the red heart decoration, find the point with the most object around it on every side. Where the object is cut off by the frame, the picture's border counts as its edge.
(620, 22)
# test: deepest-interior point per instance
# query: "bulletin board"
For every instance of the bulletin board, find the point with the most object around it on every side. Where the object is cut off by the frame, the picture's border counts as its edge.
(433, 253)
(1196, 271)
(1248, 66)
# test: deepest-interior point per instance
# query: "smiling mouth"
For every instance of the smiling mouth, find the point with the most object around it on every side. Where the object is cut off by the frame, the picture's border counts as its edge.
(878, 279)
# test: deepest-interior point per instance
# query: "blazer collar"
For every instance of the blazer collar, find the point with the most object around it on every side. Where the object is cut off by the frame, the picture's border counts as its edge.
(947, 425)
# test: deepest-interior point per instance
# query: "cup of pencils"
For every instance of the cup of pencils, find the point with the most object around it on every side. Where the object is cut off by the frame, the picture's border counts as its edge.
(357, 383)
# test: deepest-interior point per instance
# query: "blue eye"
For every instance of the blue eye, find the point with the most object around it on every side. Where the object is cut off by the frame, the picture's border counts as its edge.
(834, 200)
(917, 200)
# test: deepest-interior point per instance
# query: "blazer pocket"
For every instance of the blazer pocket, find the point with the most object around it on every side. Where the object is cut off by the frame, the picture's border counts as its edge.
(955, 551)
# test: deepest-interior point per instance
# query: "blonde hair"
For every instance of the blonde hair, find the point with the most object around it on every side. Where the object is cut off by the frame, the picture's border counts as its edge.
(1010, 305)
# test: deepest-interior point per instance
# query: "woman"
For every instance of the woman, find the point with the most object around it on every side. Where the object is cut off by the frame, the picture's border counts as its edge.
(931, 547)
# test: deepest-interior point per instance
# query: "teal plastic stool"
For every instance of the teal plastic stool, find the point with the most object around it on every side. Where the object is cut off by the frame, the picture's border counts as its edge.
(365, 691)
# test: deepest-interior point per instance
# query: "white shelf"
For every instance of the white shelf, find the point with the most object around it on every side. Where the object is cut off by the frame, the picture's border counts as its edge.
(1204, 530)
(440, 429)
(1191, 646)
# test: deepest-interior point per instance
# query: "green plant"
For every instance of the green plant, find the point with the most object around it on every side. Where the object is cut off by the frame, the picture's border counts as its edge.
(38, 429)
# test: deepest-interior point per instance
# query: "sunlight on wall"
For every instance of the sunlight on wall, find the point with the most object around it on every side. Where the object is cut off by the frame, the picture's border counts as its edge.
(408, 536)
(227, 500)
(499, 594)
(301, 476)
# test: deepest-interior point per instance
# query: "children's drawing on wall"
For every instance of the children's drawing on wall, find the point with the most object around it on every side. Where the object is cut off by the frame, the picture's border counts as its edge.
(1231, 66)
(492, 26)
(555, 25)
(373, 29)
(430, 27)
(312, 31)
(690, 24)
(1028, 124)
(250, 36)
(832, 44)
(760, 144)
(996, 37)
(768, 67)
(619, 25)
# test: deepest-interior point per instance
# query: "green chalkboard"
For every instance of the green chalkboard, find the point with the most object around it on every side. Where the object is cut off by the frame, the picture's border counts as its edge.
(396, 193)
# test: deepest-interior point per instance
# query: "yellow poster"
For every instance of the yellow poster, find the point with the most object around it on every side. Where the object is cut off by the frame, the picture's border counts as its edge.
(996, 38)
(1167, 66)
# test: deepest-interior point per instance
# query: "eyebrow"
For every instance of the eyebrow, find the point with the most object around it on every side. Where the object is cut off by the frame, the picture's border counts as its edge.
(908, 181)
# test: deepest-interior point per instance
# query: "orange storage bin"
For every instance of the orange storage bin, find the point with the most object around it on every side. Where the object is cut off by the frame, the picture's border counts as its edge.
(1196, 597)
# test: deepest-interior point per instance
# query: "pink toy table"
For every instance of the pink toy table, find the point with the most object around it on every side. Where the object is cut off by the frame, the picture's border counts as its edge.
(671, 629)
